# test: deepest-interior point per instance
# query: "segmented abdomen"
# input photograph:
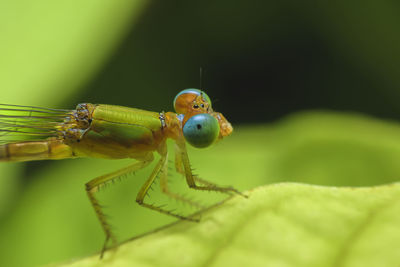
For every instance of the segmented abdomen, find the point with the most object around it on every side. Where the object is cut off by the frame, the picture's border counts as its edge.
(35, 150)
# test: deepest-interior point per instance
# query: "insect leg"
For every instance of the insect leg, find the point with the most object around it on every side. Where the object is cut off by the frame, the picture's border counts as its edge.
(165, 188)
(94, 185)
(191, 179)
(180, 168)
(147, 185)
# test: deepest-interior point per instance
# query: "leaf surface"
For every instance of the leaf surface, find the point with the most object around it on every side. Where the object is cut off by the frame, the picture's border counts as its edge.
(286, 224)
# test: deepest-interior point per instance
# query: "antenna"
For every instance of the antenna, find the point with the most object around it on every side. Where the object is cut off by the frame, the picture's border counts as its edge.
(201, 78)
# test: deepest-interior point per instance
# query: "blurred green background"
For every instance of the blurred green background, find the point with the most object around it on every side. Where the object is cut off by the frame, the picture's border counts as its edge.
(264, 64)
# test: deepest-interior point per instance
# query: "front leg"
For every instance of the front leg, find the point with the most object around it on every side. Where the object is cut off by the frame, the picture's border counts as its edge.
(161, 165)
(182, 159)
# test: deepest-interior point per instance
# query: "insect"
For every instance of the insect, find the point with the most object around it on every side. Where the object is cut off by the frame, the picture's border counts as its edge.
(114, 132)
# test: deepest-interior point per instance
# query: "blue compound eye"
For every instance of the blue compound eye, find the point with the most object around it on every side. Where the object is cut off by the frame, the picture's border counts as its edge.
(201, 130)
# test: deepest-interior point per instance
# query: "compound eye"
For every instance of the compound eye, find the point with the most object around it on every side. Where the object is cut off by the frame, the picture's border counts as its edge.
(201, 130)
(183, 102)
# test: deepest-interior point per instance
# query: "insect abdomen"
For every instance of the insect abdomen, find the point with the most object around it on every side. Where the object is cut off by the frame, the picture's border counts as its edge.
(35, 150)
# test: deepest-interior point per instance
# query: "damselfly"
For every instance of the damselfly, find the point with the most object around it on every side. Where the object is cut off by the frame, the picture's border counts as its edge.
(114, 132)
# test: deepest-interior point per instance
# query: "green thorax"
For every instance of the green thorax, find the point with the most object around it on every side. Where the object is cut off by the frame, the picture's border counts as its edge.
(125, 125)
(126, 115)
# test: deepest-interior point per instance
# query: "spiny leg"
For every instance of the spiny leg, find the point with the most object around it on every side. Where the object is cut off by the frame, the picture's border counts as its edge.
(165, 188)
(182, 159)
(147, 185)
(179, 167)
(178, 160)
(93, 186)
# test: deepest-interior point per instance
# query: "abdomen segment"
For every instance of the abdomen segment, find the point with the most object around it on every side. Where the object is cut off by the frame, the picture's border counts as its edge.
(35, 150)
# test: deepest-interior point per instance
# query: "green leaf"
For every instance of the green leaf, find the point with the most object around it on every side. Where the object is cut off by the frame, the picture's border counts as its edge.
(279, 225)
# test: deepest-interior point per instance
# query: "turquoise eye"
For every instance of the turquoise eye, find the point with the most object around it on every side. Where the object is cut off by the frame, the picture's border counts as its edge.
(201, 130)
